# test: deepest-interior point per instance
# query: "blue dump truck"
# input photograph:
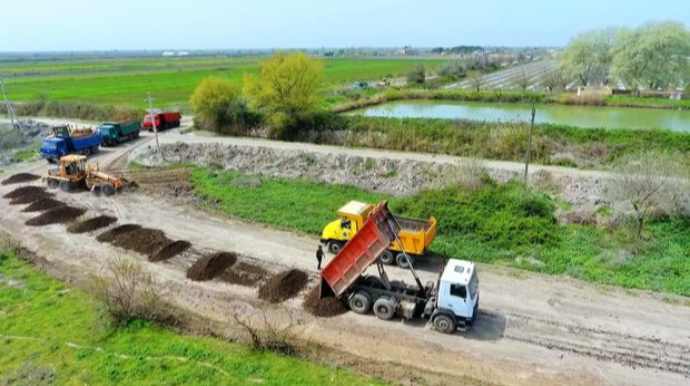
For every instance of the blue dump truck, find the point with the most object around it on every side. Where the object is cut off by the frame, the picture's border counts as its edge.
(114, 133)
(65, 141)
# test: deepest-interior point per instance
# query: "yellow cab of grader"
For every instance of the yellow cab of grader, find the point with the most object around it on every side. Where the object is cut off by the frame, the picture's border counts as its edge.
(73, 172)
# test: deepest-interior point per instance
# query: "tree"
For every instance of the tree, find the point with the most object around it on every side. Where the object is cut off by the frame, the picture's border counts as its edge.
(453, 70)
(287, 87)
(647, 182)
(522, 80)
(476, 80)
(213, 100)
(588, 56)
(555, 80)
(417, 75)
(653, 56)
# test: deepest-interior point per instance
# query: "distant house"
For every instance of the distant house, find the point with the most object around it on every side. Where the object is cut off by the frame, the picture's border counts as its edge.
(183, 53)
(168, 53)
(360, 85)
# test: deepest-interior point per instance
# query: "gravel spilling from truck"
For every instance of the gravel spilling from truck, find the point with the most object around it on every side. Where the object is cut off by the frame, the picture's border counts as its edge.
(43, 205)
(171, 250)
(211, 266)
(19, 178)
(327, 307)
(283, 286)
(91, 224)
(59, 215)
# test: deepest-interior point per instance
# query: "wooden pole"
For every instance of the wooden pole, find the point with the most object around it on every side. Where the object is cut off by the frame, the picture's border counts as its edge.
(528, 159)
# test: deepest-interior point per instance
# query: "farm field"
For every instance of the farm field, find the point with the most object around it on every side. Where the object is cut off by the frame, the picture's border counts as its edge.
(508, 79)
(128, 86)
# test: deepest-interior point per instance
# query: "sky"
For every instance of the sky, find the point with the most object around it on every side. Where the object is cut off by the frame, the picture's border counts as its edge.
(85, 25)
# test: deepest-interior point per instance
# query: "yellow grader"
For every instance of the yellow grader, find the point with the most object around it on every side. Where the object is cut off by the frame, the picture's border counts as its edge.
(73, 172)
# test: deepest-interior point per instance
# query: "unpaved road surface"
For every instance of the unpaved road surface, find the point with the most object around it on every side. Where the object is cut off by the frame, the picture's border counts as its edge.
(532, 330)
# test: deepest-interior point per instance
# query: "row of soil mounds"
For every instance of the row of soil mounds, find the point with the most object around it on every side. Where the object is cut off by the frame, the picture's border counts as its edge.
(244, 274)
(149, 242)
(43, 205)
(283, 286)
(27, 195)
(211, 266)
(19, 178)
(91, 224)
(59, 215)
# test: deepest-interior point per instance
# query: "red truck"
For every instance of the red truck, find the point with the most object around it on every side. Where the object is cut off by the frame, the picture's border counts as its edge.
(450, 303)
(166, 120)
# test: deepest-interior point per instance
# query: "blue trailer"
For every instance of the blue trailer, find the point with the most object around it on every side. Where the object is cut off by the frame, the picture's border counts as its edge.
(64, 142)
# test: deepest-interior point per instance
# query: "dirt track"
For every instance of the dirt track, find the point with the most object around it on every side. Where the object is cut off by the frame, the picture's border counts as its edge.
(532, 330)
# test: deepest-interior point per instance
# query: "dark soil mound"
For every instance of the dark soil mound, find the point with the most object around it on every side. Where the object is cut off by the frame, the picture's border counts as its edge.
(91, 224)
(43, 204)
(171, 250)
(23, 191)
(211, 266)
(324, 308)
(20, 177)
(58, 215)
(111, 235)
(27, 195)
(145, 241)
(283, 286)
(245, 274)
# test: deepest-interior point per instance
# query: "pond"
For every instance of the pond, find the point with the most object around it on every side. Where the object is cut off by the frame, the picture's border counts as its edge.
(578, 116)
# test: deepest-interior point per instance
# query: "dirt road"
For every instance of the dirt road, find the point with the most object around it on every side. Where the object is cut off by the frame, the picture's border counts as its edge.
(532, 330)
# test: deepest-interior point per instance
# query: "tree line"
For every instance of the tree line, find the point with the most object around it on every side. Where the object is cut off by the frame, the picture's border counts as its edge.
(653, 56)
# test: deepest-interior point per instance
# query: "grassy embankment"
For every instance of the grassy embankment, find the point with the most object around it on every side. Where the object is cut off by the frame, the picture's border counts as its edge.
(497, 224)
(52, 334)
(353, 100)
(552, 144)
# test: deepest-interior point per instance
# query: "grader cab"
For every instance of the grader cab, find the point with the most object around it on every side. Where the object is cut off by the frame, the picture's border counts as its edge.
(73, 172)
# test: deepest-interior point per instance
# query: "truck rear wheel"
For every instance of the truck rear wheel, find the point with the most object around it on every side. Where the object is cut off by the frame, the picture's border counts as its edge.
(108, 189)
(387, 257)
(444, 323)
(335, 246)
(87, 151)
(360, 302)
(404, 261)
(384, 308)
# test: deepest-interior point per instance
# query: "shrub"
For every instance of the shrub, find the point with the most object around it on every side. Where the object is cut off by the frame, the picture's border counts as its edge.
(417, 75)
(218, 106)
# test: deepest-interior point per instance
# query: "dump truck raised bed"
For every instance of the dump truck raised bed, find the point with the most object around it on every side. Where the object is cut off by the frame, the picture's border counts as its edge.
(115, 133)
(450, 303)
(66, 141)
(164, 121)
(416, 236)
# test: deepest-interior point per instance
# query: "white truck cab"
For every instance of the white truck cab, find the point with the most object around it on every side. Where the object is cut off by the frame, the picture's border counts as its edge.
(457, 297)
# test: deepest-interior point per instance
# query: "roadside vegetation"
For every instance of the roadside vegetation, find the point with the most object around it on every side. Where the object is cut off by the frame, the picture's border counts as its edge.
(54, 334)
(490, 223)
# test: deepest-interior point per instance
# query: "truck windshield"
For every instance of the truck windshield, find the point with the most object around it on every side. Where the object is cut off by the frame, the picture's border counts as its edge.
(49, 146)
(148, 118)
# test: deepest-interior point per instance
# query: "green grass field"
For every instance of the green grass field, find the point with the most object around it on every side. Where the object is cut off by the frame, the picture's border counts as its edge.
(53, 334)
(174, 85)
(500, 224)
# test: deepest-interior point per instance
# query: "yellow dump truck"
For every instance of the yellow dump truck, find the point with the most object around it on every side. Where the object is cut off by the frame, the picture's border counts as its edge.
(416, 236)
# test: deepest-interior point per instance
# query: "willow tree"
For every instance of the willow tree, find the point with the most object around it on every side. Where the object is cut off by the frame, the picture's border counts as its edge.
(588, 57)
(287, 88)
(653, 56)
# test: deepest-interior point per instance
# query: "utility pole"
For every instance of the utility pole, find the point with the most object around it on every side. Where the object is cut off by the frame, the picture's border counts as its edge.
(529, 142)
(10, 110)
(153, 121)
